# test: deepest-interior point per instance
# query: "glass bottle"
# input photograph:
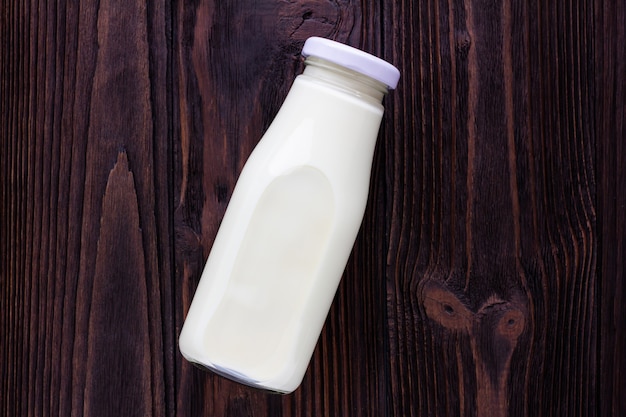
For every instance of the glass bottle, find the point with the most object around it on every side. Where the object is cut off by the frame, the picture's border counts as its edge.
(291, 223)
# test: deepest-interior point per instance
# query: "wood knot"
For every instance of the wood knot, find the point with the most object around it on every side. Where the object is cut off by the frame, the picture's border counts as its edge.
(300, 20)
(447, 308)
(507, 318)
(188, 246)
(511, 324)
(221, 192)
(463, 42)
(444, 307)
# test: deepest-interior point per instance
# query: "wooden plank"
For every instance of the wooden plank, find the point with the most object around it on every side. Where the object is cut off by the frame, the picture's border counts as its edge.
(117, 374)
(610, 118)
(493, 240)
(235, 64)
(79, 101)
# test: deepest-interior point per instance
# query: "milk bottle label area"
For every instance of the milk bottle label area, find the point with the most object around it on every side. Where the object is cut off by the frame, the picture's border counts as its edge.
(290, 225)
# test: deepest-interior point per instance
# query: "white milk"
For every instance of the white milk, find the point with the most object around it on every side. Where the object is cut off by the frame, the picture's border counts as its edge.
(290, 224)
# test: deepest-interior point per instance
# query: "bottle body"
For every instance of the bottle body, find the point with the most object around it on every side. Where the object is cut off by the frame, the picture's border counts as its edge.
(286, 237)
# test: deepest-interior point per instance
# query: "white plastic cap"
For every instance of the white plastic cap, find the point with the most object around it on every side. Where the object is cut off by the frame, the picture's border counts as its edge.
(352, 58)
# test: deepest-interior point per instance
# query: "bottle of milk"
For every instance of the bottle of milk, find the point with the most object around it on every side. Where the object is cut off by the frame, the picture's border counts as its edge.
(290, 225)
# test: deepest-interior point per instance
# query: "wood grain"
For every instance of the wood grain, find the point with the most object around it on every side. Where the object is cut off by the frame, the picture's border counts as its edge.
(117, 376)
(497, 208)
(610, 121)
(486, 279)
(80, 111)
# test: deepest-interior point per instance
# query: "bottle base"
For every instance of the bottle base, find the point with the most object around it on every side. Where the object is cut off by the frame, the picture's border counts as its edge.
(239, 379)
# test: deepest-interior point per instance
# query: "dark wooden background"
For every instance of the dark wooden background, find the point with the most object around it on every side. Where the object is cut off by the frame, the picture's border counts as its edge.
(487, 279)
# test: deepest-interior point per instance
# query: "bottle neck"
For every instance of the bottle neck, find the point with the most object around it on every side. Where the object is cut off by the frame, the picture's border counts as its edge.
(345, 79)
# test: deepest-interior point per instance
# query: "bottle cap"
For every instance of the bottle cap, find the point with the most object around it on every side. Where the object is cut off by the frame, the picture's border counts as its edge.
(352, 58)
